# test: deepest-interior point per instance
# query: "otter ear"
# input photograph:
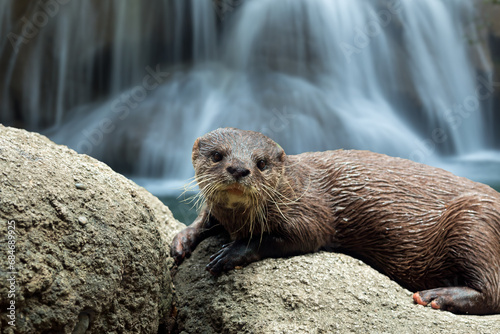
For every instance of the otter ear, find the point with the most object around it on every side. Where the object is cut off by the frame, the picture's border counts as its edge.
(196, 150)
(281, 154)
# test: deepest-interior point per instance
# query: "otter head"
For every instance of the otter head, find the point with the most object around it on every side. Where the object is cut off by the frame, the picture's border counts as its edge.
(237, 169)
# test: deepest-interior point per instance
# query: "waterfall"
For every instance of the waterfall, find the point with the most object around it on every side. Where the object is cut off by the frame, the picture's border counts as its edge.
(65, 54)
(398, 77)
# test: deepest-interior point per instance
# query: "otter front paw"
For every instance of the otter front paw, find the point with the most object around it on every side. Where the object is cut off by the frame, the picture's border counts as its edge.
(183, 244)
(238, 253)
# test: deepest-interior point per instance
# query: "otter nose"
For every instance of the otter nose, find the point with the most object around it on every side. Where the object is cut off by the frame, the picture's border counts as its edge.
(237, 172)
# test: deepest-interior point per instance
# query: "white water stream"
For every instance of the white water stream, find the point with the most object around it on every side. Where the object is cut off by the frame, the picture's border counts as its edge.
(399, 77)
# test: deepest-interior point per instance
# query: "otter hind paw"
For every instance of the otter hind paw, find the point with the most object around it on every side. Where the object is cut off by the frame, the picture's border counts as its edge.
(462, 300)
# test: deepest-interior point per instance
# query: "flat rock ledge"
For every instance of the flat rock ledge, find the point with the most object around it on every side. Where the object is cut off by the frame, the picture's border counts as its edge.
(314, 293)
(91, 247)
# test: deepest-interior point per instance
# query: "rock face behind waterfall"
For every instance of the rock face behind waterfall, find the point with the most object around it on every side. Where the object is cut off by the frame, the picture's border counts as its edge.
(91, 247)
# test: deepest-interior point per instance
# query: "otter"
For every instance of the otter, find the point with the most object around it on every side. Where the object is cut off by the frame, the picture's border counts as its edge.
(433, 232)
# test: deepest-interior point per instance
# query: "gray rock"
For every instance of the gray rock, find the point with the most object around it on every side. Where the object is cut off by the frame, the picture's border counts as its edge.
(313, 293)
(91, 247)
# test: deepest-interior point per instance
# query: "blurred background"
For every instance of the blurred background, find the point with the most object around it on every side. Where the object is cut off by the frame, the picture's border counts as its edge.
(134, 83)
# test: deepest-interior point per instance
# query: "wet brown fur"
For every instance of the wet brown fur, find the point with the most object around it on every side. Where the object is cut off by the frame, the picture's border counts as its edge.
(422, 226)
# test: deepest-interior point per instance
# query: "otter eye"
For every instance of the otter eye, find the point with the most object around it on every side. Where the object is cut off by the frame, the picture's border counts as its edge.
(216, 157)
(261, 164)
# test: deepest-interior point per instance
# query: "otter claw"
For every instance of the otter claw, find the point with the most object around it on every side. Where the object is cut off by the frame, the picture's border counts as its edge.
(454, 299)
(235, 254)
(221, 261)
(220, 251)
(179, 251)
(183, 244)
(227, 258)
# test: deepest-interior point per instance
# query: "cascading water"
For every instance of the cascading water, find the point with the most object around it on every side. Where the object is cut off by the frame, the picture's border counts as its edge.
(65, 54)
(397, 77)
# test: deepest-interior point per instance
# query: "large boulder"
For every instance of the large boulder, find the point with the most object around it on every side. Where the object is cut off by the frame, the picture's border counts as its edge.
(88, 247)
(315, 293)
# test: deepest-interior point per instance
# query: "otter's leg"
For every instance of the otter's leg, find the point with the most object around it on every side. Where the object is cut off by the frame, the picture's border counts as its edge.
(472, 224)
(186, 240)
(244, 251)
(454, 299)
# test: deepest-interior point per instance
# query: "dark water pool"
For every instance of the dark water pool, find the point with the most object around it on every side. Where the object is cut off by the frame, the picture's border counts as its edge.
(182, 210)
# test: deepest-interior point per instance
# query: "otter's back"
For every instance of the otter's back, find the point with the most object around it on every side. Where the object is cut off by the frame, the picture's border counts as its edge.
(401, 216)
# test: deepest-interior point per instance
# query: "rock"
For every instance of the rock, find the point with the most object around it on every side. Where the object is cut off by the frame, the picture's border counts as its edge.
(91, 247)
(314, 293)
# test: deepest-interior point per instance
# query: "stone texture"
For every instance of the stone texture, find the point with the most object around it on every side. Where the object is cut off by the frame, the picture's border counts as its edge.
(314, 293)
(91, 250)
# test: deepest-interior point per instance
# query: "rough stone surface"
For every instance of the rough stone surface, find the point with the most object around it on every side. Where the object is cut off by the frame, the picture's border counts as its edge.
(314, 293)
(91, 247)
